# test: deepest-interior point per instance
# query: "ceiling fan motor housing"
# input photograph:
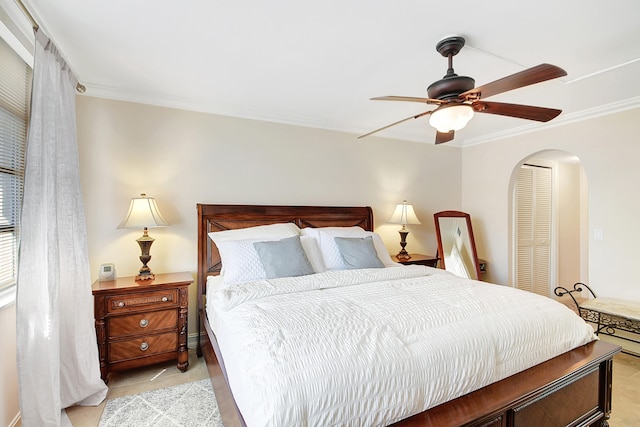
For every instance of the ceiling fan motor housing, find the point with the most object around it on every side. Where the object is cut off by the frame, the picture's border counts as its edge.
(450, 87)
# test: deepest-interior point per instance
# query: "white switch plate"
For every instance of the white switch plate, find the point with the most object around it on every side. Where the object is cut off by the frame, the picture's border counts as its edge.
(597, 234)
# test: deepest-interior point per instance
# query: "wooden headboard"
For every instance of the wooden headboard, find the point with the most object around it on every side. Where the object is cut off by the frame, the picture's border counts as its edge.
(229, 217)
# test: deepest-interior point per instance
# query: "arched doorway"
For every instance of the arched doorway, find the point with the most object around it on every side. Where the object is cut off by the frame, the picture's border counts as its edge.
(549, 218)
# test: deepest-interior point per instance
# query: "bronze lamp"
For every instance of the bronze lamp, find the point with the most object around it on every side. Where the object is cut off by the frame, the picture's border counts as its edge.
(404, 214)
(144, 213)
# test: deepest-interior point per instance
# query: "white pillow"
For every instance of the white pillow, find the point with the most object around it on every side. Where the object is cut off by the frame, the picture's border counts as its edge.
(331, 254)
(312, 250)
(260, 232)
(280, 230)
(328, 248)
(240, 261)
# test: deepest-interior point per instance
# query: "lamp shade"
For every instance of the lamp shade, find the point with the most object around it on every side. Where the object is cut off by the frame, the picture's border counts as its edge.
(404, 214)
(143, 213)
(450, 117)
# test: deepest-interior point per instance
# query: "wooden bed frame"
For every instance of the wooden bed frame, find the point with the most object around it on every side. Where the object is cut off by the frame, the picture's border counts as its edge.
(573, 389)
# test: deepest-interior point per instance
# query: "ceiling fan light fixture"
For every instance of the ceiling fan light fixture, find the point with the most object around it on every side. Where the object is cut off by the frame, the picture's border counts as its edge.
(450, 117)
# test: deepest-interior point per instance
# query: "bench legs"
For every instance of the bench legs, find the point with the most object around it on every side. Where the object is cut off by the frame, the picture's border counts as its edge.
(606, 324)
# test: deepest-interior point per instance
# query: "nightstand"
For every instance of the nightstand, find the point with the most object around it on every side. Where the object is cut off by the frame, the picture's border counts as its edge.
(418, 259)
(141, 323)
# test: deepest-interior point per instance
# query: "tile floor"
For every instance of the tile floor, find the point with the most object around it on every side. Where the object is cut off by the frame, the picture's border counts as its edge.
(626, 388)
(625, 405)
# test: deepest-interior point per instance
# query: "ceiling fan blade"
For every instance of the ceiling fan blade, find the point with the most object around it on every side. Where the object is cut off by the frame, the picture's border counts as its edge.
(442, 137)
(537, 74)
(409, 99)
(540, 114)
(417, 116)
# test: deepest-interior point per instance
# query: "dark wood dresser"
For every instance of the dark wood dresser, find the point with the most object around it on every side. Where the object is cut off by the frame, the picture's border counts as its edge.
(142, 323)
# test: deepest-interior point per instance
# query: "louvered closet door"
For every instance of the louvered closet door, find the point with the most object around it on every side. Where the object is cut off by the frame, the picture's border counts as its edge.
(533, 234)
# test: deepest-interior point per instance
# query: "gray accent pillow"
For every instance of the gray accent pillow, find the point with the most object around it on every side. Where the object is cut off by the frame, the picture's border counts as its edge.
(358, 252)
(283, 258)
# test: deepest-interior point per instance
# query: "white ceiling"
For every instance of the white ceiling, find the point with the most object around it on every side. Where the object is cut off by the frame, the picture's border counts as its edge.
(318, 63)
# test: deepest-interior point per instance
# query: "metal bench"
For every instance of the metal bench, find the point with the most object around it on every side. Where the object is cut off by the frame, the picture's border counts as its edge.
(608, 314)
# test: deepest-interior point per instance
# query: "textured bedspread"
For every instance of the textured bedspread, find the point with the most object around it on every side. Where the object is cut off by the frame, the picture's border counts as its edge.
(371, 347)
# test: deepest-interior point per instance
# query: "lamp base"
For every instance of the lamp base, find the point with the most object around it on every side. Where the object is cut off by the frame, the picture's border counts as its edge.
(145, 245)
(403, 255)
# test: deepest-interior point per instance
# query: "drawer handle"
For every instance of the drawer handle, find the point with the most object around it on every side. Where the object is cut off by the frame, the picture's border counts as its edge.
(144, 323)
(144, 346)
(121, 304)
(165, 299)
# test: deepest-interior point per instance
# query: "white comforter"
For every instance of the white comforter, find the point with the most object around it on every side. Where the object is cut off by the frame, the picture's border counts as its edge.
(371, 347)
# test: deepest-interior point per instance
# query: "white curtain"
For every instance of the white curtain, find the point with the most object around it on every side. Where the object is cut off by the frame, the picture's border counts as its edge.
(58, 363)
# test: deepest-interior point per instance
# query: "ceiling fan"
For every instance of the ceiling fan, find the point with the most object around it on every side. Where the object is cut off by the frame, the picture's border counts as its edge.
(457, 99)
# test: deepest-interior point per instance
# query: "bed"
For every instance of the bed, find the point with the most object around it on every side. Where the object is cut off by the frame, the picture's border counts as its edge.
(572, 387)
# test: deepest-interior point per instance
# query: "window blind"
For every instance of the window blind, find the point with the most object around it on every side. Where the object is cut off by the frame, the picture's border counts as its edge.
(15, 78)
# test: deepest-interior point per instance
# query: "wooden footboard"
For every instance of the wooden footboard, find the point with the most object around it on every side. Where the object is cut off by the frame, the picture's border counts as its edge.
(573, 389)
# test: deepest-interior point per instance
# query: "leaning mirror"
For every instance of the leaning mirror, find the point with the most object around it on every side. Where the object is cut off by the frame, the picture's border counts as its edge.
(456, 245)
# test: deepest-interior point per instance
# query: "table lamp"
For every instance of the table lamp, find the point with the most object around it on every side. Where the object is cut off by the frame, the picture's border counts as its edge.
(404, 214)
(144, 213)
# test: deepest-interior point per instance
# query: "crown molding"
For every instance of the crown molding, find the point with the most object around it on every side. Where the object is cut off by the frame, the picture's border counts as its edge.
(578, 116)
(183, 104)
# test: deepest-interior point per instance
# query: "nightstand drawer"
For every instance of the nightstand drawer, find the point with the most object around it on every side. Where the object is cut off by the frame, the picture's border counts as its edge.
(136, 324)
(142, 347)
(144, 301)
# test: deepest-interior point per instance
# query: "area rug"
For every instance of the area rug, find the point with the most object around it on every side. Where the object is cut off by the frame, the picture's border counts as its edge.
(185, 405)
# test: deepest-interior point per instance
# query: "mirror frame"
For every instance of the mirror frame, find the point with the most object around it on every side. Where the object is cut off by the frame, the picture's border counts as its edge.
(456, 214)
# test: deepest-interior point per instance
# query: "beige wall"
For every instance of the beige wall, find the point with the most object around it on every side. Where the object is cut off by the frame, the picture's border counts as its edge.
(9, 406)
(608, 150)
(182, 158)
(569, 220)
